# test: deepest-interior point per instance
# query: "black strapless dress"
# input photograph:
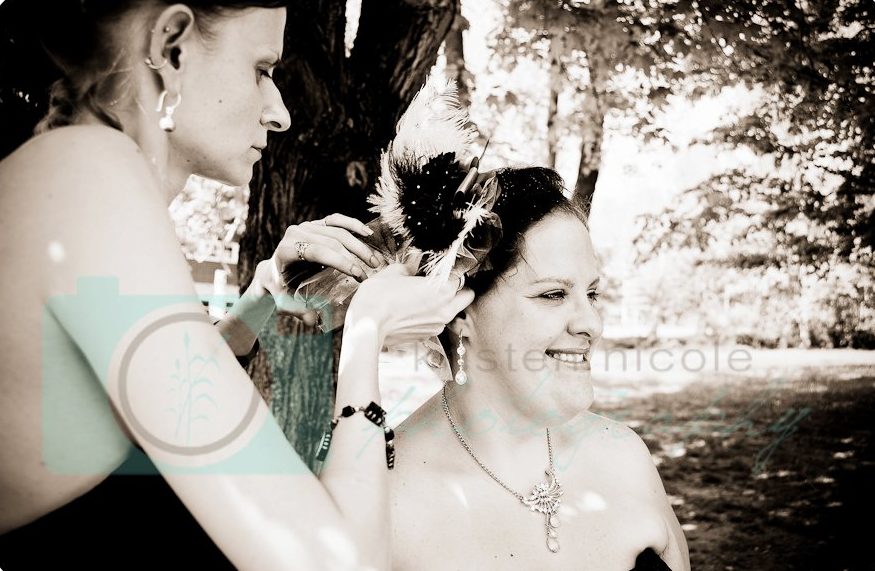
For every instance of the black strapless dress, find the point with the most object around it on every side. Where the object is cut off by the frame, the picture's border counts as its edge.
(132, 523)
(648, 560)
(125, 522)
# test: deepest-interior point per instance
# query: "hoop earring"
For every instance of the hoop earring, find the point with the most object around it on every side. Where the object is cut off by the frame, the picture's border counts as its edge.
(166, 122)
(151, 65)
(461, 376)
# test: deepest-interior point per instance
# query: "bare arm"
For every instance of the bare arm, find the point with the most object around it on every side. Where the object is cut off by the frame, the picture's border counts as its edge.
(249, 490)
(240, 326)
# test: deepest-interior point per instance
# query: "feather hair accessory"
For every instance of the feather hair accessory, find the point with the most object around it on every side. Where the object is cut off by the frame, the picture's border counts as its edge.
(425, 195)
(433, 211)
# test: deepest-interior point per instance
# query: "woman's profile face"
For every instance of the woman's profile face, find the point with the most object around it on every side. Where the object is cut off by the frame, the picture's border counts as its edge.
(534, 329)
(229, 100)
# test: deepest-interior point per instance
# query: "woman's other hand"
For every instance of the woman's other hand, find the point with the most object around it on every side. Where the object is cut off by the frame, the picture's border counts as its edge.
(406, 308)
(329, 242)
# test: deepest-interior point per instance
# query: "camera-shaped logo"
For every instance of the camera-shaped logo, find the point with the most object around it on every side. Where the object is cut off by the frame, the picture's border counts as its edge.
(153, 370)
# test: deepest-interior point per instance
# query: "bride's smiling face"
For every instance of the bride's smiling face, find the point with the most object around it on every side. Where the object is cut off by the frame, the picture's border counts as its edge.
(532, 333)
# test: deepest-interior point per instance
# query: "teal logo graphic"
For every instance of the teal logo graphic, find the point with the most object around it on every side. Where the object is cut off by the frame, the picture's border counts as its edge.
(189, 378)
(97, 336)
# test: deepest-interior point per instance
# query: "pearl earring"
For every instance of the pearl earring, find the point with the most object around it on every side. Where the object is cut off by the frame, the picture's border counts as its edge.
(461, 376)
(166, 122)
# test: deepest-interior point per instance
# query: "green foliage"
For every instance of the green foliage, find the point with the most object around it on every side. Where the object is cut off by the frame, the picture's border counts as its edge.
(809, 63)
(812, 64)
(206, 213)
(607, 54)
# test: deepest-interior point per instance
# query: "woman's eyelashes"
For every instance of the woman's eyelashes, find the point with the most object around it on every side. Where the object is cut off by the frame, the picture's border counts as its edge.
(559, 295)
(265, 72)
(554, 295)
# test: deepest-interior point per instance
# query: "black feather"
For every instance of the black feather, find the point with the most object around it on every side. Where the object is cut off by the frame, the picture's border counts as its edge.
(427, 195)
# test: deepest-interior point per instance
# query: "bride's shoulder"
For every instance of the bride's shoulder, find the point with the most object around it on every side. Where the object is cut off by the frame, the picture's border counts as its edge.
(615, 441)
(75, 155)
(423, 435)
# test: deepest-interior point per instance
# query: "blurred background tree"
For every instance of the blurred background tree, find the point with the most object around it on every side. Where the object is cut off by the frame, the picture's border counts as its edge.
(804, 211)
(585, 46)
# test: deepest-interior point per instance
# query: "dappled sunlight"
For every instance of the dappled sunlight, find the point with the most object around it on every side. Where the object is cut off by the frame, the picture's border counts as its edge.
(459, 493)
(674, 449)
(337, 542)
(590, 501)
(761, 459)
(56, 252)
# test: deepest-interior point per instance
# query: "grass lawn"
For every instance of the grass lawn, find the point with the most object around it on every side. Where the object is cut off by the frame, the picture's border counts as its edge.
(767, 470)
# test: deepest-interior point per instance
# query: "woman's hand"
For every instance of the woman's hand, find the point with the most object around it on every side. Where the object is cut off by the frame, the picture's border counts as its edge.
(406, 308)
(329, 242)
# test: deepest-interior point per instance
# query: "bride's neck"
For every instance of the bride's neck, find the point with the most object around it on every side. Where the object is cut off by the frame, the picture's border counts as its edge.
(488, 419)
(511, 445)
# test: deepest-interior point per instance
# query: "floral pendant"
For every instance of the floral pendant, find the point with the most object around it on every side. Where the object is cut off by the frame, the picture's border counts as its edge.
(545, 499)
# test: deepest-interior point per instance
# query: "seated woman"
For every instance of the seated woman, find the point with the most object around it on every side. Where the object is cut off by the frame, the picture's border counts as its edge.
(506, 468)
(105, 342)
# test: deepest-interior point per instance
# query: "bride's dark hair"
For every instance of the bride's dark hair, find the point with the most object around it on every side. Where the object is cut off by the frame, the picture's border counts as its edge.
(528, 195)
(82, 38)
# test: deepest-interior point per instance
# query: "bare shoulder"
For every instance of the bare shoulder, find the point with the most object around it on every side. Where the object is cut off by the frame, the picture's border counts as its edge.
(89, 156)
(629, 464)
(67, 144)
(619, 437)
(419, 438)
(85, 201)
(626, 453)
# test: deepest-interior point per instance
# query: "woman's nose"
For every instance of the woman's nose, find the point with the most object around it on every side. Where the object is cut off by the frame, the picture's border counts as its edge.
(275, 116)
(586, 320)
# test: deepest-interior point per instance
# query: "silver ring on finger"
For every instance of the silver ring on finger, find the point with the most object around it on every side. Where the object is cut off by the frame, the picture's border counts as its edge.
(301, 247)
(461, 283)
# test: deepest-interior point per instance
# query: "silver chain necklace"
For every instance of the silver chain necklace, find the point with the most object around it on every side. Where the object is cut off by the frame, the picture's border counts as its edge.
(545, 495)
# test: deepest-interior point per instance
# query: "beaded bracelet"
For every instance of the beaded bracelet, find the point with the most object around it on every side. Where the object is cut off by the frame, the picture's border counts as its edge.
(375, 414)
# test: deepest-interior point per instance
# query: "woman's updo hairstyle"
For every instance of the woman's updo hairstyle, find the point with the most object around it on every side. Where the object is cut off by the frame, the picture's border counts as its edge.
(84, 40)
(528, 195)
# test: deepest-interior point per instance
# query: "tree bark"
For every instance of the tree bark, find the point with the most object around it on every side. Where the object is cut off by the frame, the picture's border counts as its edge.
(343, 114)
(556, 76)
(455, 54)
(592, 136)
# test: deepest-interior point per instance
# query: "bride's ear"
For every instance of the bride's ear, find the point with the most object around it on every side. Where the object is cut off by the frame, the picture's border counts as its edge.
(460, 326)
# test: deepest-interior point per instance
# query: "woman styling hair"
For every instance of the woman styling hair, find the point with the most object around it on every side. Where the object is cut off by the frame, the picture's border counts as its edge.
(152, 92)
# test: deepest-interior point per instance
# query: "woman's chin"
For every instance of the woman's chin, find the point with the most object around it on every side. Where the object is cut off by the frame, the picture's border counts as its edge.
(241, 175)
(576, 398)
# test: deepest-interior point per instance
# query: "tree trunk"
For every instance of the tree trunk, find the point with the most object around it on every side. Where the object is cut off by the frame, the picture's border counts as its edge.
(455, 54)
(592, 136)
(343, 113)
(553, 125)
